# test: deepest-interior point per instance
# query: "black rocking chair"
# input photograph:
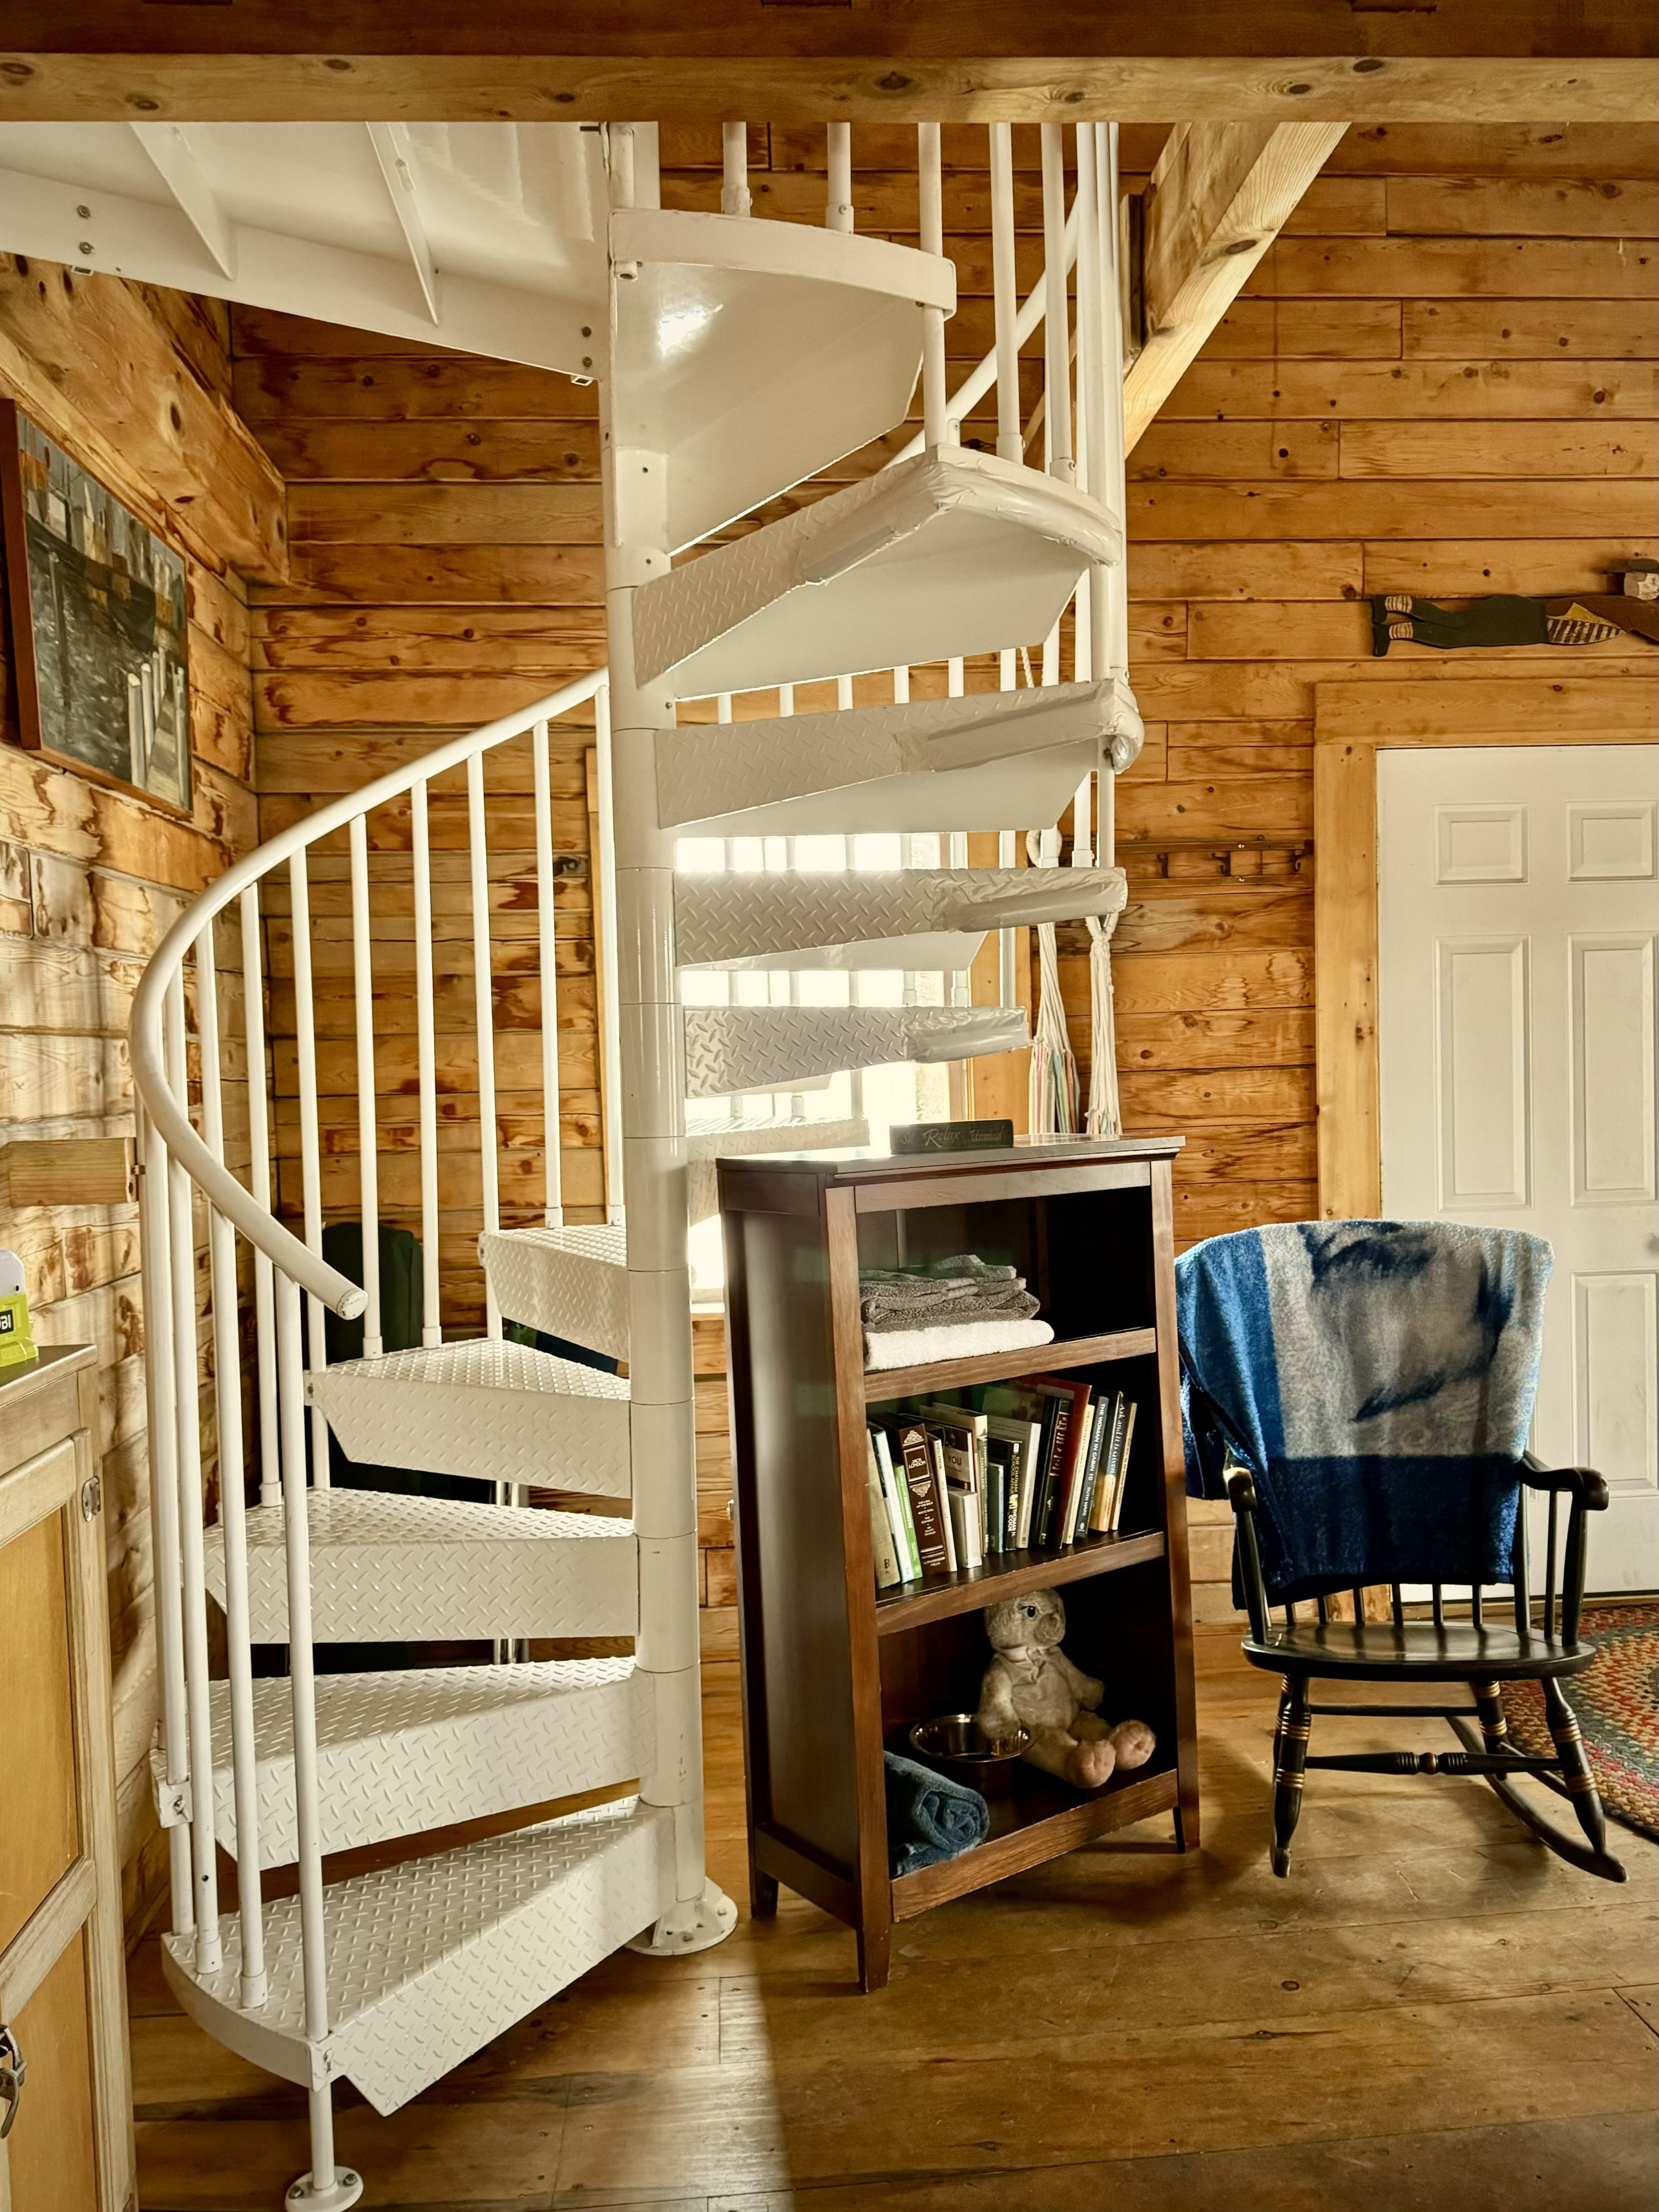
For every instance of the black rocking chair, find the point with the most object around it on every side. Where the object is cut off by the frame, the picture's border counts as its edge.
(1479, 1653)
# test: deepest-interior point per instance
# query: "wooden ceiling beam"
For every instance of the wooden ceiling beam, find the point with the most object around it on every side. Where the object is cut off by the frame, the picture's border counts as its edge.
(53, 85)
(901, 30)
(1218, 197)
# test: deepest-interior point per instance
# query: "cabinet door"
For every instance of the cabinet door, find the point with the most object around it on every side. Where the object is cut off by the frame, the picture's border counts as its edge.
(59, 1945)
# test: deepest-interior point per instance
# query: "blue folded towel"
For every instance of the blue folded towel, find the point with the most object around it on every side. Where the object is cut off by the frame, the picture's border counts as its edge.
(929, 1817)
(1378, 1375)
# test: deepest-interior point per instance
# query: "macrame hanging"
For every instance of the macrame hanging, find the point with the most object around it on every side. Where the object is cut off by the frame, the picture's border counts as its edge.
(1055, 1089)
(1105, 1116)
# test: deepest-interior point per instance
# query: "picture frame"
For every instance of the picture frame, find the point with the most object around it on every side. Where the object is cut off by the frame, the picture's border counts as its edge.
(99, 623)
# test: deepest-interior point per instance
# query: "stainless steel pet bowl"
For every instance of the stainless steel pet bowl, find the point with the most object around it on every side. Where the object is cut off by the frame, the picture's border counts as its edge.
(956, 1746)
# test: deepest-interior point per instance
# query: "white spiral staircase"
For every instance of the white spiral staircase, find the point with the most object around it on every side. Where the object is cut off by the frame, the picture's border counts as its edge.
(741, 356)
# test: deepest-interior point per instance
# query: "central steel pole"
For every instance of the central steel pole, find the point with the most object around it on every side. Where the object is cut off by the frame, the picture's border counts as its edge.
(662, 1451)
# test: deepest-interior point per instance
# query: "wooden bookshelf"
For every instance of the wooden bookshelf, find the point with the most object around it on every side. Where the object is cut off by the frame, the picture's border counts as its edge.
(833, 1670)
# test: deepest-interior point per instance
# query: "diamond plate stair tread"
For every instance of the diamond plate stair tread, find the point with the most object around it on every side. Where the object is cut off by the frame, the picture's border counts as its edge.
(706, 1142)
(570, 1283)
(734, 1048)
(387, 1568)
(724, 314)
(954, 552)
(761, 919)
(500, 1412)
(976, 763)
(402, 1753)
(429, 1960)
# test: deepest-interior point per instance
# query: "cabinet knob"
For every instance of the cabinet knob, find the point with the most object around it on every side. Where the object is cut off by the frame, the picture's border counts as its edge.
(13, 2068)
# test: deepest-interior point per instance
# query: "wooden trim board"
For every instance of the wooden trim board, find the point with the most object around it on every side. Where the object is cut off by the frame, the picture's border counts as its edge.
(1353, 722)
(46, 85)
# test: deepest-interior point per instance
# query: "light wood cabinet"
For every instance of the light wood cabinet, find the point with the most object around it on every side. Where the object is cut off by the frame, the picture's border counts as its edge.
(63, 1998)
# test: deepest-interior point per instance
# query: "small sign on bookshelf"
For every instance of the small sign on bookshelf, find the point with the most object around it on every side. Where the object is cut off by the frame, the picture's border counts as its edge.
(952, 1136)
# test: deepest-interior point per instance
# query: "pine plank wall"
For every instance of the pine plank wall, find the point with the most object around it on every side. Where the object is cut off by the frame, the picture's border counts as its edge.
(1442, 378)
(134, 383)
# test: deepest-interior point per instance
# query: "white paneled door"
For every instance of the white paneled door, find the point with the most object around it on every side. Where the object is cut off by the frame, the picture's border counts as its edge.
(1517, 900)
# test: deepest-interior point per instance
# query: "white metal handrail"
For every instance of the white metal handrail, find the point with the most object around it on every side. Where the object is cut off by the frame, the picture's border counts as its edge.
(171, 1120)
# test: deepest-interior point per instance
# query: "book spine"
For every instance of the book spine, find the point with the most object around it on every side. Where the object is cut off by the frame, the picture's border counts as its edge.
(1123, 1467)
(961, 1509)
(925, 1505)
(996, 1491)
(1030, 1459)
(1053, 1473)
(1102, 1412)
(942, 1493)
(899, 1509)
(882, 1552)
(1085, 1429)
(1103, 1512)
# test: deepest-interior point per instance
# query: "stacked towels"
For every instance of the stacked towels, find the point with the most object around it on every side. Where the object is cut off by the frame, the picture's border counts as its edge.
(948, 1310)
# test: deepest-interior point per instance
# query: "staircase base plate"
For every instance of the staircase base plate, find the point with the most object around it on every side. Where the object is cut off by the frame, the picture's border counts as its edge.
(694, 1923)
(304, 2197)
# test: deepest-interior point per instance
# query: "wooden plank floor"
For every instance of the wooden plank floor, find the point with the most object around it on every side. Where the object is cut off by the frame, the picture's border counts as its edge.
(1430, 2015)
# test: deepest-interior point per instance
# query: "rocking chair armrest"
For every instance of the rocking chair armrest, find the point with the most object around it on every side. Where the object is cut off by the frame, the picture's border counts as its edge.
(1241, 1493)
(1241, 1487)
(1586, 1488)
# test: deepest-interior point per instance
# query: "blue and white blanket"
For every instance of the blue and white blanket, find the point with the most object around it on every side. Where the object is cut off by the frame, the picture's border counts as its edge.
(1379, 1377)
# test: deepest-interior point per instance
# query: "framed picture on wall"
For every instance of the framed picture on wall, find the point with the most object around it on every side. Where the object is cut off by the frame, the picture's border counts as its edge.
(98, 621)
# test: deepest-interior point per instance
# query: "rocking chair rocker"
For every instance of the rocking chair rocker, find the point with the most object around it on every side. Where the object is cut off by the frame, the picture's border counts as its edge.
(1479, 1652)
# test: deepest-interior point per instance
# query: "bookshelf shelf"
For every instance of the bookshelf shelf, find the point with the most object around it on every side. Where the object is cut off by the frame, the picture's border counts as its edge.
(1039, 1821)
(883, 1384)
(833, 1670)
(937, 1597)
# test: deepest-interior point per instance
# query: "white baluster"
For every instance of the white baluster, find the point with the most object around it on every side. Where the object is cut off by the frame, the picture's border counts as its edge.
(1010, 444)
(786, 698)
(547, 963)
(426, 1056)
(232, 1504)
(484, 1015)
(310, 1164)
(302, 1690)
(606, 949)
(843, 691)
(722, 706)
(734, 154)
(187, 1396)
(154, 1257)
(368, 1162)
(1056, 322)
(901, 687)
(838, 209)
(258, 1125)
(930, 186)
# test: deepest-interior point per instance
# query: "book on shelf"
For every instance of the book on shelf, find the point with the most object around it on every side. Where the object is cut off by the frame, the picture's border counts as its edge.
(961, 1435)
(1067, 1439)
(1021, 1436)
(998, 1476)
(928, 1511)
(942, 1493)
(883, 1550)
(898, 1499)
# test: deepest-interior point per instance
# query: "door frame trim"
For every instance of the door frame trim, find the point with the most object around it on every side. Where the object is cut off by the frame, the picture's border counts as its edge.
(1352, 723)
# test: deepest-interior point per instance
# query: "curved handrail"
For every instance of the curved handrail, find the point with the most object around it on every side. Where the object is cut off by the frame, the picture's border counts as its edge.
(172, 1123)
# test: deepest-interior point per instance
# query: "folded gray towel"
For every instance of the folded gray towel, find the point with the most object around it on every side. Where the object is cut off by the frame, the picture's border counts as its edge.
(962, 1288)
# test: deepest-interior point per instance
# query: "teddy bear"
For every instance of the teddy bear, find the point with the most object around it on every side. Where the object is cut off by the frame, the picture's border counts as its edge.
(1031, 1683)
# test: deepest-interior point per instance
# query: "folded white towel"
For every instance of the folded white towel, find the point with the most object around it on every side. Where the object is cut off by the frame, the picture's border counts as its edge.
(963, 1339)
